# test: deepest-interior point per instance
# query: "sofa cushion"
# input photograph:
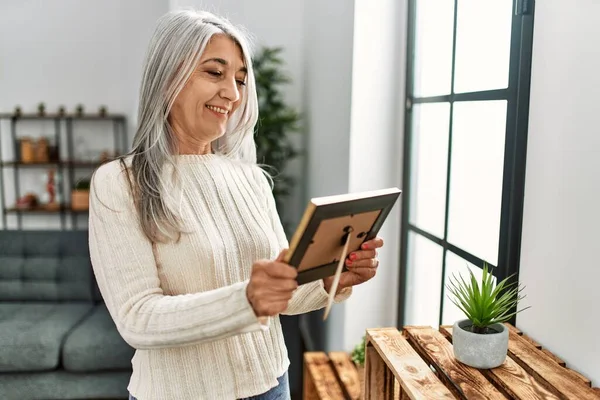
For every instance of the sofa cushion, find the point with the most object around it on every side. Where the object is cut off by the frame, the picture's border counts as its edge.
(95, 345)
(63, 385)
(45, 266)
(31, 334)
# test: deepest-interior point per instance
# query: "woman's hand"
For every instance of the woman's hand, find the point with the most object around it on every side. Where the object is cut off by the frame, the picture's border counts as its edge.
(271, 286)
(362, 266)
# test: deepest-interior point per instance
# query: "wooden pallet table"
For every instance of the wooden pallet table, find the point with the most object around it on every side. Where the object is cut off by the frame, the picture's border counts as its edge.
(418, 363)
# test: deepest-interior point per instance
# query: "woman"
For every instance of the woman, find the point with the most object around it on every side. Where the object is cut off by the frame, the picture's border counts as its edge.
(185, 240)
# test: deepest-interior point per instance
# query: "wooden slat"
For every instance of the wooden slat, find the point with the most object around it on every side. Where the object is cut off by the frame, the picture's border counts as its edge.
(320, 381)
(523, 335)
(554, 357)
(377, 376)
(583, 378)
(464, 381)
(414, 376)
(513, 328)
(597, 391)
(532, 342)
(446, 330)
(565, 381)
(512, 379)
(518, 383)
(560, 362)
(347, 373)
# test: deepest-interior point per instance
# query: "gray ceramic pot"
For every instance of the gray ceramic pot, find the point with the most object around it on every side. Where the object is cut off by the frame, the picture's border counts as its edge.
(479, 350)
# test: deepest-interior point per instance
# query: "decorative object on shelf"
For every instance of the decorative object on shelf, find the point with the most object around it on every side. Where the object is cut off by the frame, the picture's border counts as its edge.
(27, 148)
(481, 340)
(61, 111)
(79, 110)
(50, 198)
(103, 111)
(53, 153)
(42, 150)
(41, 109)
(80, 195)
(53, 199)
(37, 150)
(27, 202)
(18, 111)
(51, 187)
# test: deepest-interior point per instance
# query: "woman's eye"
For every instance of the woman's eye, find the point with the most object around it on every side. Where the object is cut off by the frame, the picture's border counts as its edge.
(241, 83)
(215, 73)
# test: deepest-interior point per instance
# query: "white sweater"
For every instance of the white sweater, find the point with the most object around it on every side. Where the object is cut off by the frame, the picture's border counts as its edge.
(183, 306)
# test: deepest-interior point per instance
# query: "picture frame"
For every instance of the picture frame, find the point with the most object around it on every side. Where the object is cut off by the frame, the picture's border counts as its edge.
(319, 239)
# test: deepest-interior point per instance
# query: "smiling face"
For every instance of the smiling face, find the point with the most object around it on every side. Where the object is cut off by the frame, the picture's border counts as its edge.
(213, 92)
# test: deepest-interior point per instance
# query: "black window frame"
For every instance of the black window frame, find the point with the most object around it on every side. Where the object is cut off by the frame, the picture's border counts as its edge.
(515, 152)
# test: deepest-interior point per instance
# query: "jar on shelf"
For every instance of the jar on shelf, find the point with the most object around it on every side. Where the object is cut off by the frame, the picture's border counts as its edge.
(53, 155)
(27, 150)
(41, 150)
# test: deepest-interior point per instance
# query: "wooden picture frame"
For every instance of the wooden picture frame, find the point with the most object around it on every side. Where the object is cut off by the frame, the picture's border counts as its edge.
(319, 239)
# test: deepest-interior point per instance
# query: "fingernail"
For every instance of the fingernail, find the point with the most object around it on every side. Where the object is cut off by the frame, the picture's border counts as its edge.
(353, 256)
(365, 246)
(348, 262)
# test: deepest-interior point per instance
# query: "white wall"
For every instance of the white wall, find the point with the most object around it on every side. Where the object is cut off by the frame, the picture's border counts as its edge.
(328, 89)
(559, 263)
(69, 53)
(378, 80)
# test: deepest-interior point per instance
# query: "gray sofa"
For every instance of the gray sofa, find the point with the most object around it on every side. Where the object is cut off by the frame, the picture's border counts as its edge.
(57, 340)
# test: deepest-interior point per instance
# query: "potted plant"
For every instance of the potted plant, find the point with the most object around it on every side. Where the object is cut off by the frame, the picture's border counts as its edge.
(80, 195)
(277, 121)
(481, 340)
(358, 357)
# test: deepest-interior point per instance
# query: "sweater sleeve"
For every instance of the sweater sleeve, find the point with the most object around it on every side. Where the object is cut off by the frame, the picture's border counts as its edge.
(125, 269)
(310, 296)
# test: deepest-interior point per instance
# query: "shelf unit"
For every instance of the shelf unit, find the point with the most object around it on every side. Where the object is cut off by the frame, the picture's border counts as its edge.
(66, 164)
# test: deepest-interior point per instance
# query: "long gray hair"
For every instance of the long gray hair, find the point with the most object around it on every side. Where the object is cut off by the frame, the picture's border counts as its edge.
(173, 53)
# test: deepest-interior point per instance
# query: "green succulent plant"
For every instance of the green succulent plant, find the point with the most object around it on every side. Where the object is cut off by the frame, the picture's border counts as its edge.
(484, 303)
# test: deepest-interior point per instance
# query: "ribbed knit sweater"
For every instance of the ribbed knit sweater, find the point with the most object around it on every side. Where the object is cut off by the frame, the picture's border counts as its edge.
(183, 305)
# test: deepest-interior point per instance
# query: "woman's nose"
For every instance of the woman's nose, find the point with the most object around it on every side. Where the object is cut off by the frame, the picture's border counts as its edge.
(230, 90)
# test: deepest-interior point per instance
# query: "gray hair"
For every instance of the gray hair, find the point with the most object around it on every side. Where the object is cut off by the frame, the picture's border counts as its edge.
(173, 53)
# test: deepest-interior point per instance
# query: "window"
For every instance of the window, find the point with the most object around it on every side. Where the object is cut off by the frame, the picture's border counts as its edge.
(467, 105)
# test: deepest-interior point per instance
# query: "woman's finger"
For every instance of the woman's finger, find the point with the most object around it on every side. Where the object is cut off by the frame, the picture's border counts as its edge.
(364, 272)
(368, 263)
(362, 255)
(281, 255)
(372, 244)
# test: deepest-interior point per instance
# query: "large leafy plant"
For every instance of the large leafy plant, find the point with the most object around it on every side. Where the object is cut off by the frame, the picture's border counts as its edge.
(484, 303)
(276, 122)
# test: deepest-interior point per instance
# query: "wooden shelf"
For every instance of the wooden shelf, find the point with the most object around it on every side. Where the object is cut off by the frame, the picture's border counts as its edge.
(66, 126)
(42, 210)
(75, 164)
(95, 117)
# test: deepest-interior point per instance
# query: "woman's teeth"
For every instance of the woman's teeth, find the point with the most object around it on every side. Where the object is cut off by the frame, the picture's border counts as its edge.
(217, 109)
